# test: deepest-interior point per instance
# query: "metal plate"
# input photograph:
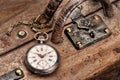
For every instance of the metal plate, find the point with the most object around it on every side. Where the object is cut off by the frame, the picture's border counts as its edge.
(84, 32)
(13, 75)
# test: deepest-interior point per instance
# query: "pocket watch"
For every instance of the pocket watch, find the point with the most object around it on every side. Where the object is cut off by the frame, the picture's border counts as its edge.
(42, 59)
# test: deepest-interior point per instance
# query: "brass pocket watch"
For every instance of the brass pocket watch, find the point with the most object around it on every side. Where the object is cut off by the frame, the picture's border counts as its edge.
(42, 59)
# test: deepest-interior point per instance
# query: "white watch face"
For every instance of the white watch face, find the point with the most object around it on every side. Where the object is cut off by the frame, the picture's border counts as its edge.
(42, 57)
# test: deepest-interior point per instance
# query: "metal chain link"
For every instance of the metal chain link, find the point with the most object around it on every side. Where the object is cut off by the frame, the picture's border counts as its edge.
(34, 26)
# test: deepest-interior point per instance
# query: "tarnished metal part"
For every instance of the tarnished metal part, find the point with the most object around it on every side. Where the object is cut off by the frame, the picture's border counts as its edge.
(85, 32)
(22, 34)
(9, 31)
(60, 21)
(31, 25)
(13, 75)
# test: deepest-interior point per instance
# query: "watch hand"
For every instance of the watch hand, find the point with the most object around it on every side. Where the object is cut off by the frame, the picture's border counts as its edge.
(47, 53)
(37, 50)
(41, 56)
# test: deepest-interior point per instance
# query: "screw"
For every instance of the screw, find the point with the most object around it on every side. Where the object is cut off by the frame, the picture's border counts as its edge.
(69, 30)
(78, 43)
(96, 17)
(22, 34)
(107, 30)
(19, 72)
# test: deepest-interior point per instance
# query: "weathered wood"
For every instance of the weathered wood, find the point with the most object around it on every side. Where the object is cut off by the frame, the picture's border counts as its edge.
(75, 65)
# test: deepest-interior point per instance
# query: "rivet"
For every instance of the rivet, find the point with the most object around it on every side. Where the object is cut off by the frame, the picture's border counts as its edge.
(107, 30)
(78, 43)
(18, 72)
(96, 17)
(22, 34)
(69, 30)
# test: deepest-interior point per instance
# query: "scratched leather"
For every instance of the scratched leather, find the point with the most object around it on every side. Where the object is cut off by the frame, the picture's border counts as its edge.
(11, 8)
(60, 21)
(8, 43)
(67, 71)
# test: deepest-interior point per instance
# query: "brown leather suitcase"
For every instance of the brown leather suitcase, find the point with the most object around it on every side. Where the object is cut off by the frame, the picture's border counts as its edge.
(84, 64)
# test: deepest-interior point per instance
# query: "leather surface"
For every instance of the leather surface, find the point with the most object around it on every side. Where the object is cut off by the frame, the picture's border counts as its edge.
(75, 64)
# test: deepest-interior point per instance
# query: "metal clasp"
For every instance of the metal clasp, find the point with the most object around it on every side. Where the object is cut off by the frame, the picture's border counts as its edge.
(41, 36)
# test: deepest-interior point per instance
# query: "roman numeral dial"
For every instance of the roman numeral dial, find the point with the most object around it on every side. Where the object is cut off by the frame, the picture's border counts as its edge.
(42, 57)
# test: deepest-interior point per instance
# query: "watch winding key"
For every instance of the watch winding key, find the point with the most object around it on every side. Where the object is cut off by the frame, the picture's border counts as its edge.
(42, 59)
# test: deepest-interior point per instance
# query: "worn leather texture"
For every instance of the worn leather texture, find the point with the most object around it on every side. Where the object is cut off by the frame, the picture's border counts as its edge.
(75, 64)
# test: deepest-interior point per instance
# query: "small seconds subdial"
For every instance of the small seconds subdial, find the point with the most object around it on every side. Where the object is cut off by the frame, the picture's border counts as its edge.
(42, 59)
